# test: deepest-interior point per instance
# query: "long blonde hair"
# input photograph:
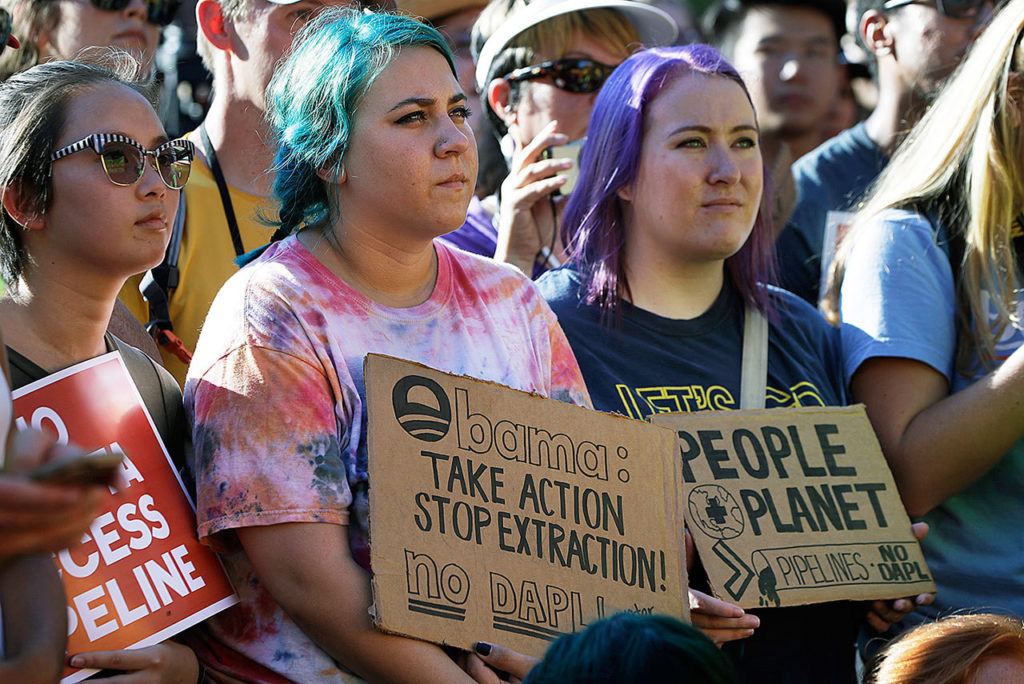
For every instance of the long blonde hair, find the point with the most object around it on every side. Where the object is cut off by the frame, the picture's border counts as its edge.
(963, 163)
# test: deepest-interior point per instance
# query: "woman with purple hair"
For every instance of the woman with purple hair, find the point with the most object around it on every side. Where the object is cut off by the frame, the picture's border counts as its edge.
(663, 301)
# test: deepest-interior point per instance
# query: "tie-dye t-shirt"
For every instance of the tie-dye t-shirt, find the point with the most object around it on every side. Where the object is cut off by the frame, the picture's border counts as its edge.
(277, 399)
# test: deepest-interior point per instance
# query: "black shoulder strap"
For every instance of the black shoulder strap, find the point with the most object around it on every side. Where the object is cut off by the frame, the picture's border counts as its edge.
(158, 282)
(146, 379)
(162, 397)
(222, 188)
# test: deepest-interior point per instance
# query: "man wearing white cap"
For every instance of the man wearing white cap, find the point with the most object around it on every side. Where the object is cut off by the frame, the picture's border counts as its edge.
(539, 73)
(240, 41)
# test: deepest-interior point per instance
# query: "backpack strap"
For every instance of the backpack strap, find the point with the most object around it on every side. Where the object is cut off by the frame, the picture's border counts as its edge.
(156, 287)
(754, 370)
(162, 397)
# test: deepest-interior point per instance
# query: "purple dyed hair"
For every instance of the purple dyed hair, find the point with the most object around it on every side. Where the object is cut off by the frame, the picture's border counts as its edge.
(593, 228)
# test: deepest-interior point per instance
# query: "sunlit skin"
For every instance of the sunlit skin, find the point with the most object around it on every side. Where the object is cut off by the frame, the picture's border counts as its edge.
(411, 167)
(83, 26)
(699, 183)
(93, 235)
(263, 36)
(998, 670)
(930, 45)
(245, 52)
(111, 230)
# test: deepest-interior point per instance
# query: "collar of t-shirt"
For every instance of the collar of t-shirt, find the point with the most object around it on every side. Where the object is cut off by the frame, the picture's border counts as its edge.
(721, 311)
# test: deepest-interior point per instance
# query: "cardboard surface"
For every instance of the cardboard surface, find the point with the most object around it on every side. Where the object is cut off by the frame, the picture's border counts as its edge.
(140, 575)
(795, 506)
(500, 516)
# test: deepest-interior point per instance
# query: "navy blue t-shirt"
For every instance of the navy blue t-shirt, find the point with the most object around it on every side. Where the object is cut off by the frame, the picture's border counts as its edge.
(832, 177)
(648, 364)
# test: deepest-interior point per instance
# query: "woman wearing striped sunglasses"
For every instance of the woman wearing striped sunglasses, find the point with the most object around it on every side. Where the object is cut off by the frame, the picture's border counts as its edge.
(89, 183)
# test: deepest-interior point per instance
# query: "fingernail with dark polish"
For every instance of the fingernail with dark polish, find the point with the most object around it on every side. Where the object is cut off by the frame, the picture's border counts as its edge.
(482, 647)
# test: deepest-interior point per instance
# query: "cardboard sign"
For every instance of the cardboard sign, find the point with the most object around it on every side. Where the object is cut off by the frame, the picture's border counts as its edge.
(140, 574)
(794, 506)
(501, 516)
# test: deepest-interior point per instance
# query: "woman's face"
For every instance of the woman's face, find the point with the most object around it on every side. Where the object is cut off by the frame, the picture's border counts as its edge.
(82, 25)
(699, 183)
(410, 169)
(113, 230)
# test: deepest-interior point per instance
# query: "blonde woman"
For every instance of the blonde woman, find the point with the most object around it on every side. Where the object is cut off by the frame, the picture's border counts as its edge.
(927, 285)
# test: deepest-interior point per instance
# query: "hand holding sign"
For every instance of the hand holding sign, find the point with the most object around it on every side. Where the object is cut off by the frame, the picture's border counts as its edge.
(719, 620)
(885, 614)
(499, 515)
(139, 574)
(165, 663)
(488, 659)
(795, 506)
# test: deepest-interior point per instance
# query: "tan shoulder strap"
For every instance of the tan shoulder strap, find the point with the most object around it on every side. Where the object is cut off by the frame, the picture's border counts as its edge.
(754, 371)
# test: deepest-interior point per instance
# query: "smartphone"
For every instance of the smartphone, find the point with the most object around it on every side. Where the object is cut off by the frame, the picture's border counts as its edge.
(80, 469)
(570, 151)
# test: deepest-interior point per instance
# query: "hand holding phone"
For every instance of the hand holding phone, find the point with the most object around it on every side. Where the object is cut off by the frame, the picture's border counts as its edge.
(79, 469)
(37, 517)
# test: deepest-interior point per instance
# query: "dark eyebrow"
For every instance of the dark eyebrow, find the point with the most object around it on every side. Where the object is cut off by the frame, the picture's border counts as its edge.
(427, 101)
(707, 131)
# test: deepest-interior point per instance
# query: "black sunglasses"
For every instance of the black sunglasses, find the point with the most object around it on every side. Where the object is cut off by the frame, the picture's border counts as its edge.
(158, 12)
(572, 75)
(954, 9)
(124, 160)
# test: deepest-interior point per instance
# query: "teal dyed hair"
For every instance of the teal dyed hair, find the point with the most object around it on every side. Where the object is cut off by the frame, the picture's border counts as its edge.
(315, 94)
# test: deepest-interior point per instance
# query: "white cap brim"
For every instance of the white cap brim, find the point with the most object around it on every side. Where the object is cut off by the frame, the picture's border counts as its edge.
(654, 26)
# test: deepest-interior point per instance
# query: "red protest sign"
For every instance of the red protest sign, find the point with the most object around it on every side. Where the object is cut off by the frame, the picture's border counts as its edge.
(139, 575)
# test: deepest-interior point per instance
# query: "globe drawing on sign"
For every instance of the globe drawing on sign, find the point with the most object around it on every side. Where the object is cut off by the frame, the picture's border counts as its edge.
(714, 510)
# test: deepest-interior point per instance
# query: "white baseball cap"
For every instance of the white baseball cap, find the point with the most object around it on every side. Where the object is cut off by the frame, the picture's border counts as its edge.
(654, 26)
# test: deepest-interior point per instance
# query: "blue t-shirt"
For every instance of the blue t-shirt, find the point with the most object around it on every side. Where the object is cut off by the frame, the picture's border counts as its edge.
(650, 364)
(898, 300)
(832, 177)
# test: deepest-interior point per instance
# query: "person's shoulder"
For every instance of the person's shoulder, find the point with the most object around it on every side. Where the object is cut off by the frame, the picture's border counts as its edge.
(146, 372)
(794, 312)
(853, 142)
(896, 230)
(850, 158)
(283, 268)
(266, 294)
(481, 272)
(561, 288)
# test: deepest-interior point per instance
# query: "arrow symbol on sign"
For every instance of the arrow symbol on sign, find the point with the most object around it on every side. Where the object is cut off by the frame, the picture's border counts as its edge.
(741, 572)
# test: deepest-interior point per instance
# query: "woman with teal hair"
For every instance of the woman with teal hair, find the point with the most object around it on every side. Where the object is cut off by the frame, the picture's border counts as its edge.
(376, 159)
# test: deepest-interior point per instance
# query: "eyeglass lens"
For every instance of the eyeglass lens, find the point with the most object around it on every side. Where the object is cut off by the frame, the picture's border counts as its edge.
(124, 164)
(582, 76)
